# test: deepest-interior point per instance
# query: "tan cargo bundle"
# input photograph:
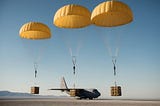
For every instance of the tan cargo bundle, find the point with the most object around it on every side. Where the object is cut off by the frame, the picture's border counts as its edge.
(74, 92)
(116, 91)
(34, 90)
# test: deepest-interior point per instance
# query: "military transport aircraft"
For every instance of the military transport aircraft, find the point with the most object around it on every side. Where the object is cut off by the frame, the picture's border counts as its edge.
(78, 92)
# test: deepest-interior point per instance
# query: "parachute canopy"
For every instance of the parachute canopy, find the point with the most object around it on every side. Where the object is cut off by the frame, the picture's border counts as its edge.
(72, 16)
(35, 30)
(111, 13)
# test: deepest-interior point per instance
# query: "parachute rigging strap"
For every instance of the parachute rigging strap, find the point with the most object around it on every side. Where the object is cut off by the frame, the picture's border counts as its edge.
(114, 65)
(74, 68)
(114, 68)
(115, 84)
(35, 68)
(74, 64)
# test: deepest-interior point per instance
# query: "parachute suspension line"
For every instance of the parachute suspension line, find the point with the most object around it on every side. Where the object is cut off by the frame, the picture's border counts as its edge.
(114, 69)
(114, 65)
(114, 57)
(117, 44)
(35, 69)
(79, 46)
(70, 51)
(74, 64)
(106, 42)
(74, 68)
(73, 60)
(113, 50)
(35, 73)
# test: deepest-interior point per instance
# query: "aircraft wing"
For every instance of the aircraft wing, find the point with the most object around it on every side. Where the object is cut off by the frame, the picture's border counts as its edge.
(62, 89)
(58, 89)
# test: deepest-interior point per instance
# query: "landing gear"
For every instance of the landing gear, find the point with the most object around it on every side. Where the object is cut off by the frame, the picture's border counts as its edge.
(90, 98)
(84, 98)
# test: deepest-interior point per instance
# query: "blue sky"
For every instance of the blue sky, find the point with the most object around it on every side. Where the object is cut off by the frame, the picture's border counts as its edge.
(138, 64)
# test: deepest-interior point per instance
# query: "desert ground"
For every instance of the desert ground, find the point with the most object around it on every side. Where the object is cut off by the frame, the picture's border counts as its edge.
(75, 102)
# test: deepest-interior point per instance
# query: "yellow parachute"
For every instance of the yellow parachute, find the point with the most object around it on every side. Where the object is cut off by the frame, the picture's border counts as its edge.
(111, 13)
(72, 16)
(35, 30)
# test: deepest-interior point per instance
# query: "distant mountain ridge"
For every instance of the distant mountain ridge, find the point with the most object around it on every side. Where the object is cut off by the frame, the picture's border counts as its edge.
(8, 93)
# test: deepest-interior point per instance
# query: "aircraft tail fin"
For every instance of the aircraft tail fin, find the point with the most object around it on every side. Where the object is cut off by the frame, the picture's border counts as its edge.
(63, 84)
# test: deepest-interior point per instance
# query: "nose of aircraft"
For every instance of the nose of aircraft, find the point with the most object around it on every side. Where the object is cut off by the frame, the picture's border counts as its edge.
(97, 92)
